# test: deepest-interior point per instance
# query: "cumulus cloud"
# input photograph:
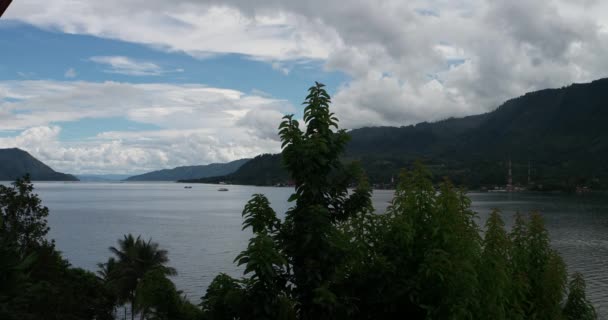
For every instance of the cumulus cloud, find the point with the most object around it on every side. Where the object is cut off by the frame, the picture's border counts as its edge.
(262, 123)
(124, 152)
(195, 27)
(409, 60)
(388, 101)
(199, 124)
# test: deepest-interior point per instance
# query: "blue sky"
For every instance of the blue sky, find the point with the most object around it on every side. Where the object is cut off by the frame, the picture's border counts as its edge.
(129, 86)
(30, 53)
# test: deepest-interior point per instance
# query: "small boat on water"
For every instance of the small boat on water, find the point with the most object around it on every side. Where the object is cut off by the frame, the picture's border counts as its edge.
(222, 189)
(187, 187)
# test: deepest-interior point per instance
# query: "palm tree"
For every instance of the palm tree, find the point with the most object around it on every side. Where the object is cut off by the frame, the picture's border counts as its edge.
(134, 258)
(106, 272)
(106, 269)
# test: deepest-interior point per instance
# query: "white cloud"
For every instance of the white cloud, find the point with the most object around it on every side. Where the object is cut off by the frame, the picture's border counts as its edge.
(195, 27)
(70, 73)
(280, 67)
(128, 152)
(390, 102)
(409, 60)
(262, 123)
(199, 124)
(130, 67)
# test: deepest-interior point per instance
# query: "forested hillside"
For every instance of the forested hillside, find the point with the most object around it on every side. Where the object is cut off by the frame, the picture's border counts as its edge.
(266, 169)
(190, 172)
(559, 135)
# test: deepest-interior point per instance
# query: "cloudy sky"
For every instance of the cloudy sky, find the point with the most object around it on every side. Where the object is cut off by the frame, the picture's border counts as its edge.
(128, 86)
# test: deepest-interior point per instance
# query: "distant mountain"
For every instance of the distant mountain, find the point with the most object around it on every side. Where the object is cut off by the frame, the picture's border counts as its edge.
(102, 177)
(190, 172)
(15, 163)
(264, 170)
(559, 136)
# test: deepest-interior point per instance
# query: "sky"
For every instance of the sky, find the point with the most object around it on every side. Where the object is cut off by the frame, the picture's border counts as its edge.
(129, 86)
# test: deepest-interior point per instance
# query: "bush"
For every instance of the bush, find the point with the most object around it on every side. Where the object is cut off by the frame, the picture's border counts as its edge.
(333, 258)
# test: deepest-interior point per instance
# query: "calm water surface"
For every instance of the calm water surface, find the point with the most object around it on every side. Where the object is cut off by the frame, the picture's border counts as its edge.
(201, 227)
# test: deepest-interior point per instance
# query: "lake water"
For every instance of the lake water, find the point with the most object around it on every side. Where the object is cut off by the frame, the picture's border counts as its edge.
(201, 227)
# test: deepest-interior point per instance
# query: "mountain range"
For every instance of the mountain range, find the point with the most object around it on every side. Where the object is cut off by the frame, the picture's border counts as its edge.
(265, 170)
(102, 177)
(15, 163)
(190, 172)
(553, 138)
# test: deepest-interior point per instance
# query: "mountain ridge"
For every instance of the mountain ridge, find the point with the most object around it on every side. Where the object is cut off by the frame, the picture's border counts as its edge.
(190, 172)
(558, 134)
(15, 163)
(265, 169)
(102, 177)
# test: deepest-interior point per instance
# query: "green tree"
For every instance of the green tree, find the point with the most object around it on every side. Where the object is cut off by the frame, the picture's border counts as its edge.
(157, 297)
(266, 289)
(333, 258)
(494, 274)
(519, 262)
(37, 282)
(547, 272)
(23, 215)
(105, 273)
(436, 250)
(309, 234)
(264, 294)
(577, 306)
(292, 266)
(134, 258)
(13, 276)
(225, 299)
(538, 272)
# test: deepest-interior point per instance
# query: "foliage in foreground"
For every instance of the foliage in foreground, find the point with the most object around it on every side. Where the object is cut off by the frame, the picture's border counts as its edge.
(577, 306)
(333, 258)
(137, 277)
(35, 281)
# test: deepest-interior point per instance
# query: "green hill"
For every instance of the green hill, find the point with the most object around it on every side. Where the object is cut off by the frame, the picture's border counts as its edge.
(560, 134)
(15, 163)
(266, 170)
(190, 172)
